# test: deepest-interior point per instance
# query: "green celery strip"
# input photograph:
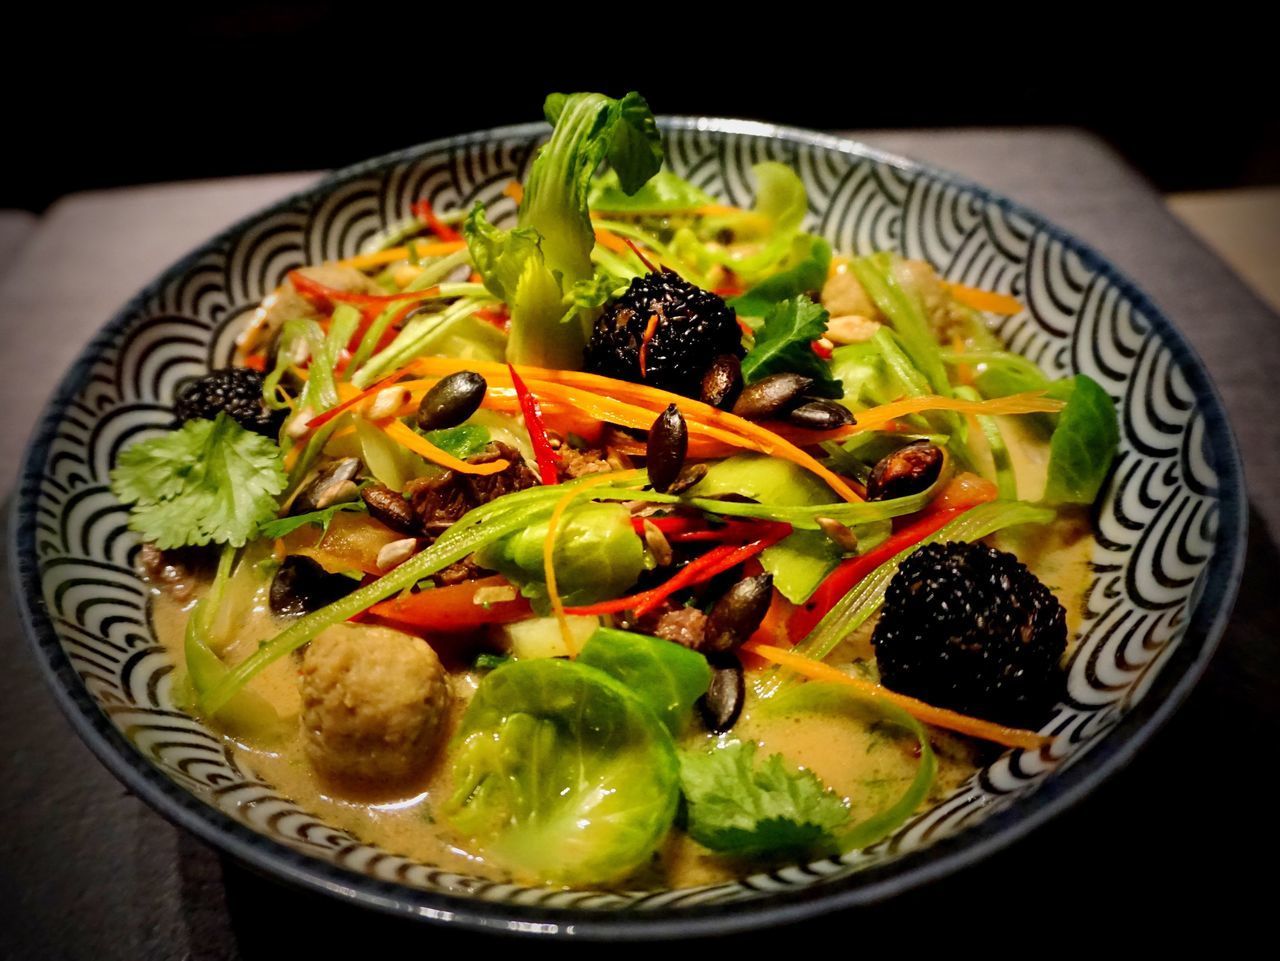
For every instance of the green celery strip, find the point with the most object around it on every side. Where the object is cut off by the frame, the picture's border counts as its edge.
(905, 314)
(342, 327)
(801, 518)
(430, 276)
(618, 266)
(414, 341)
(854, 608)
(826, 697)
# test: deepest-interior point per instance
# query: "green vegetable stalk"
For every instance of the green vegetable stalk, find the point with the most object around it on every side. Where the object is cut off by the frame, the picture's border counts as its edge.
(536, 267)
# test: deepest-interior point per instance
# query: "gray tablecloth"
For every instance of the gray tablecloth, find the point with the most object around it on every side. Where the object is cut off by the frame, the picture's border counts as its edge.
(87, 871)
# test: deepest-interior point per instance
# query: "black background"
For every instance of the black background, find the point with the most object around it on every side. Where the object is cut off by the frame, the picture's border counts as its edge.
(113, 98)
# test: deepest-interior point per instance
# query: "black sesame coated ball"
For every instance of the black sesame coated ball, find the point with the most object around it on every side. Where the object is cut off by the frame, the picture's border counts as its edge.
(970, 628)
(235, 390)
(691, 328)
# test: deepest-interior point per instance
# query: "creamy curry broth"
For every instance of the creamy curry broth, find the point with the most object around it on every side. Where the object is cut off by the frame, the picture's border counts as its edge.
(868, 764)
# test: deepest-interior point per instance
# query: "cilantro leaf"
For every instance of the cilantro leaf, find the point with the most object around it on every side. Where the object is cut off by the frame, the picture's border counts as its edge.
(282, 526)
(738, 808)
(783, 344)
(209, 481)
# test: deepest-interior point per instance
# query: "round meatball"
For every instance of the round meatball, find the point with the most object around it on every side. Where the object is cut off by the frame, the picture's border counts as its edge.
(374, 703)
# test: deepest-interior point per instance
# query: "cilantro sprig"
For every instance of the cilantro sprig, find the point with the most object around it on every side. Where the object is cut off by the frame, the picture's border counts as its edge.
(210, 481)
(736, 807)
(784, 344)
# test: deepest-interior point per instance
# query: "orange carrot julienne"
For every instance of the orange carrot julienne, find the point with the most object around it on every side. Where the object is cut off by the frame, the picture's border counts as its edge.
(380, 258)
(1031, 402)
(514, 190)
(988, 301)
(549, 551)
(937, 716)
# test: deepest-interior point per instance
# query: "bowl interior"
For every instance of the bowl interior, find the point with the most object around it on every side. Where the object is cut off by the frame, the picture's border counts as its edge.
(1167, 526)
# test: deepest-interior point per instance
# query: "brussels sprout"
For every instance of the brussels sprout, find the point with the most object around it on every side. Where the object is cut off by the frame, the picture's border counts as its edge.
(562, 775)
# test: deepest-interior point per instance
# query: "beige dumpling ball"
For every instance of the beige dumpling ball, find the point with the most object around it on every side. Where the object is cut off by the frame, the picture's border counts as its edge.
(374, 703)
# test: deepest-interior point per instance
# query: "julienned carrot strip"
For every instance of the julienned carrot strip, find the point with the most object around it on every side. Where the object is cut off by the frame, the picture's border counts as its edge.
(937, 716)
(542, 452)
(405, 437)
(321, 419)
(985, 300)
(424, 212)
(610, 241)
(1031, 402)
(380, 258)
(514, 190)
(713, 562)
(548, 556)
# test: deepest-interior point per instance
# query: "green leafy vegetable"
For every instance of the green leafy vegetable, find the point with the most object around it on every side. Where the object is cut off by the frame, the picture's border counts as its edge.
(283, 526)
(665, 193)
(807, 274)
(1083, 444)
(597, 555)
(562, 774)
(667, 677)
(535, 267)
(462, 441)
(785, 344)
(838, 700)
(736, 807)
(211, 481)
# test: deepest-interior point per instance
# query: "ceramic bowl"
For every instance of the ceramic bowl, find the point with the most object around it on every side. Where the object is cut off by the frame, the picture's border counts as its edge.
(1169, 526)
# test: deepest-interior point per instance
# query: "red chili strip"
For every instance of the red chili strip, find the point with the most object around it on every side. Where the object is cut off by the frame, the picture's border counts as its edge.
(821, 349)
(321, 419)
(643, 259)
(713, 562)
(323, 295)
(846, 576)
(669, 525)
(424, 212)
(546, 457)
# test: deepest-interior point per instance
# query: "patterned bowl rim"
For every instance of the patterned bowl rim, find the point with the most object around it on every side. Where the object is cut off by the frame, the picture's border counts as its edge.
(1175, 679)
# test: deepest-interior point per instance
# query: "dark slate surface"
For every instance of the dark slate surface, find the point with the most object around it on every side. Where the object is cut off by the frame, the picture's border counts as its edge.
(1180, 842)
